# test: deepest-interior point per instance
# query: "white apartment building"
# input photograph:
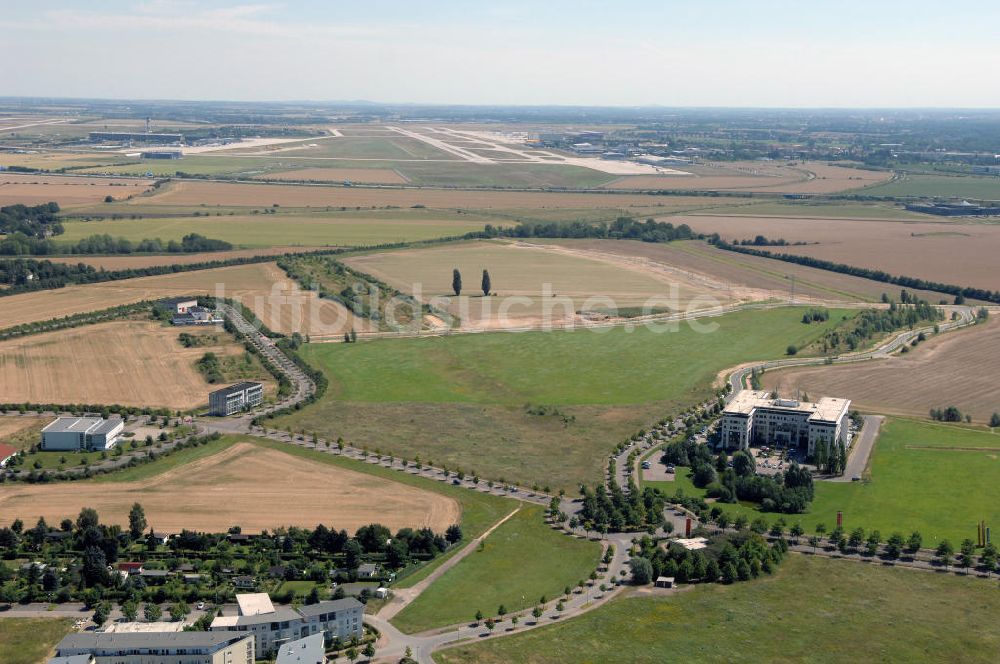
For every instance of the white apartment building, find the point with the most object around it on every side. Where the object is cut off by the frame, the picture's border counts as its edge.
(273, 627)
(754, 418)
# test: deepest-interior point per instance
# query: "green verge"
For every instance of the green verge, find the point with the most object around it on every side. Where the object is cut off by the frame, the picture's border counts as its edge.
(520, 561)
(813, 609)
(937, 479)
(451, 400)
(30, 640)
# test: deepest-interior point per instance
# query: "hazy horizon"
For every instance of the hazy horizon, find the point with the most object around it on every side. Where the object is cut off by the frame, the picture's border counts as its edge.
(770, 55)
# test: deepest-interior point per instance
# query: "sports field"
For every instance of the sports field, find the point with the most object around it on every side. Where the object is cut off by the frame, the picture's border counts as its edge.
(265, 230)
(954, 369)
(31, 640)
(523, 558)
(133, 363)
(446, 398)
(550, 282)
(812, 609)
(238, 483)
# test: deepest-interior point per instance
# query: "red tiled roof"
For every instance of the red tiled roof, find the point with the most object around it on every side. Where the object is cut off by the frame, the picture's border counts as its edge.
(7, 451)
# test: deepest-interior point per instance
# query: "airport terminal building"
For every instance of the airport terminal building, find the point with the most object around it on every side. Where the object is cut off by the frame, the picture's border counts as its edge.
(755, 418)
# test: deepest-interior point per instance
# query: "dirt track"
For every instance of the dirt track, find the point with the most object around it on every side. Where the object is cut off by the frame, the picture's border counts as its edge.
(246, 485)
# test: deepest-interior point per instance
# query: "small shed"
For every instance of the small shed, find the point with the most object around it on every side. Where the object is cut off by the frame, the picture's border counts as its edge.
(664, 582)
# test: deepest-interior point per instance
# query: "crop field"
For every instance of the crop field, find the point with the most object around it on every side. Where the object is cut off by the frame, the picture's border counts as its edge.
(773, 619)
(363, 175)
(31, 640)
(150, 260)
(741, 276)
(937, 479)
(253, 283)
(953, 369)
(133, 363)
(242, 483)
(32, 189)
(551, 283)
(524, 557)
(925, 250)
(807, 178)
(945, 186)
(445, 398)
(195, 193)
(823, 210)
(266, 230)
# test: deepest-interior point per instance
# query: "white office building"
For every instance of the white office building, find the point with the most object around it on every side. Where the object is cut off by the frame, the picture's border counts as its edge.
(78, 434)
(755, 418)
(235, 398)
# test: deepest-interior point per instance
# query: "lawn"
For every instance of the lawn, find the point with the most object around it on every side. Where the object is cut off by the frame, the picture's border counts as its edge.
(249, 231)
(30, 640)
(813, 609)
(937, 479)
(520, 561)
(461, 400)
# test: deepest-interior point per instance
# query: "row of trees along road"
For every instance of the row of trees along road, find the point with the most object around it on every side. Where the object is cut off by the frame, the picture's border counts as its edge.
(456, 282)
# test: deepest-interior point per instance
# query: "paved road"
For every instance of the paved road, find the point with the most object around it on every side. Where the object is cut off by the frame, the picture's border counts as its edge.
(738, 377)
(858, 458)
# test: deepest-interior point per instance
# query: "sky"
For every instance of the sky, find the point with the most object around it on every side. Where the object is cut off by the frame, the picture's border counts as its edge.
(729, 53)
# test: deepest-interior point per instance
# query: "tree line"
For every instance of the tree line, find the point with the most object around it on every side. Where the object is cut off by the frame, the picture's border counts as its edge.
(37, 221)
(623, 228)
(741, 556)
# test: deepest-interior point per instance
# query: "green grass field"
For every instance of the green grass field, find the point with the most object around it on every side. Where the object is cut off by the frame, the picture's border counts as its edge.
(522, 558)
(934, 478)
(461, 400)
(813, 610)
(30, 640)
(250, 231)
(948, 186)
(852, 210)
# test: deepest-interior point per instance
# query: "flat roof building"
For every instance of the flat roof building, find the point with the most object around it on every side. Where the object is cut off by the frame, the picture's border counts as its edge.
(93, 434)
(342, 618)
(235, 398)
(160, 647)
(756, 418)
(309, 650)
(134, 137)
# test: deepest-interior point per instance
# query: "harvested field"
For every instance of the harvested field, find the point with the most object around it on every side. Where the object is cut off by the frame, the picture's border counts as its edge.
(544, 278)
(32, 189)
(133, 363)
(14, 424)
(262, 287)
(743, 276)
(264, 230)
(927, 250)
(133, 262)
(257, 195)
(255, 487)
(811, 178)
(362, 175)
(954, 369)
